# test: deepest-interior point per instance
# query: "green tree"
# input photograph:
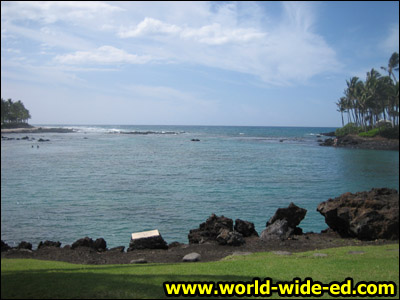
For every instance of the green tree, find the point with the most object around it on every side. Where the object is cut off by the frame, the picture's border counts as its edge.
(377, 98)
(341, 104)
(392, 65)
(13, 112)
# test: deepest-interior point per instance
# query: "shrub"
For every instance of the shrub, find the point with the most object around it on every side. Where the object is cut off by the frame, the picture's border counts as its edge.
(370, 133)
(390, 133)
(349, 128)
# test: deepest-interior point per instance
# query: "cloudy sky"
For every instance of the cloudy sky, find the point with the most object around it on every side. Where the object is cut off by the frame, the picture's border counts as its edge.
(190, 63)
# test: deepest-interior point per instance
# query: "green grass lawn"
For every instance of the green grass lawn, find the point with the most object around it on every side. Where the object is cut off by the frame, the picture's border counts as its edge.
(28, 278)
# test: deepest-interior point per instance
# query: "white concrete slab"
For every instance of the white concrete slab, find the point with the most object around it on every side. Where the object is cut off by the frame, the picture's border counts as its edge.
(145, 234)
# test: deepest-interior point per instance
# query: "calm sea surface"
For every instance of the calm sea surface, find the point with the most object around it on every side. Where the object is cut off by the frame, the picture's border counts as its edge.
(98, 182)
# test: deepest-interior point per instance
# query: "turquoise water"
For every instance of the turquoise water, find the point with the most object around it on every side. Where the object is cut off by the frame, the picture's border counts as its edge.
(99, 183)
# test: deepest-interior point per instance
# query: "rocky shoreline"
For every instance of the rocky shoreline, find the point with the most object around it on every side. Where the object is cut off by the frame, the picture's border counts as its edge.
(357, 142)
(364, 218)
(209, 251)
(38, 130)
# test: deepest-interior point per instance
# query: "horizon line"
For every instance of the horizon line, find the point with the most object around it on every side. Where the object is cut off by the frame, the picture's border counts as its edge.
(187, 125)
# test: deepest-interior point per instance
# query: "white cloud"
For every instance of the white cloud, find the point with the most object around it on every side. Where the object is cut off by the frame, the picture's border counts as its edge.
(149, 26)
(234, 36)
(52, 11)
(283, 53)
(299, 15)
(103, 55)
(214, 34)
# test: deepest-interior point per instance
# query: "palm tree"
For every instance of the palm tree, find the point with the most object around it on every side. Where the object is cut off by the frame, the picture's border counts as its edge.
(366, 102)
(351, 97)
(392, 65)
(341, 104)
(372, 96)
(13, 112)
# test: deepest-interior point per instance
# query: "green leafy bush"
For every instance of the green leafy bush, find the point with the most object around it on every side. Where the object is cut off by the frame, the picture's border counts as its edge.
(370, 133)
(349, 128)
(390, 133)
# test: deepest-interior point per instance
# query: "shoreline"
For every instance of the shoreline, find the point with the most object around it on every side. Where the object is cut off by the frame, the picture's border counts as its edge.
(352, 141)
(38, 130)
(209, 251)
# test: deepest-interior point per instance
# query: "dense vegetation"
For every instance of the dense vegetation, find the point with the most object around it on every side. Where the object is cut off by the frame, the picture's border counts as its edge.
(13, 112)
(373, 103)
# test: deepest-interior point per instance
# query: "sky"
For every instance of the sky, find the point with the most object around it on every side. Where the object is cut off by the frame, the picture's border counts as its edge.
(191, 63)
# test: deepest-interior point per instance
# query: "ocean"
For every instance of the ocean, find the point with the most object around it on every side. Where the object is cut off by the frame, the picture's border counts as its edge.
(111, 181)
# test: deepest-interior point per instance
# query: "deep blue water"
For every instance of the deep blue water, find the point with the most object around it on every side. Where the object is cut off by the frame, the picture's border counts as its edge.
(99, 183)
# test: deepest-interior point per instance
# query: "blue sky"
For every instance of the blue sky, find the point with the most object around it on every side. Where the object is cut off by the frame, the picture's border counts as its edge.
(190, 63)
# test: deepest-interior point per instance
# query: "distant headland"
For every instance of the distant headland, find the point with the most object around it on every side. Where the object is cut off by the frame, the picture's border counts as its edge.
(32, 129)
(14, 119)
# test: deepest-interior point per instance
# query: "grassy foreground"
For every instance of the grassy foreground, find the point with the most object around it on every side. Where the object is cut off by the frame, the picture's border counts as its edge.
(28, 278)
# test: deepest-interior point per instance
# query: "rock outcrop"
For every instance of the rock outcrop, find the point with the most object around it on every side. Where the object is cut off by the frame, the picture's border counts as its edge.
(49, 244)
(365, 215)
(283, 223)
(4, 246)
(292, 214)
(245, 228)
(230, 238)
(147, 240)
(327, 142)
(220, 230)
(97, 245)
(210, 229)
(24, 245)
(279, 230)
(357, 142)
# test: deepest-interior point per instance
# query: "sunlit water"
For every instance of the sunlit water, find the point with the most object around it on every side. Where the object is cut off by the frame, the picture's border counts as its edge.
(99, 183)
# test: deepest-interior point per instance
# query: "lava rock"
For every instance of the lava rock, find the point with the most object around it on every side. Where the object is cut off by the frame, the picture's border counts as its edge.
(245, 228)
(24, 245)
(49, 244)
(230, 238)
(279, 230)
(367, 215)
(4, 246)
(98, 245)
(209, 230)
(292, 214)
(328, 142)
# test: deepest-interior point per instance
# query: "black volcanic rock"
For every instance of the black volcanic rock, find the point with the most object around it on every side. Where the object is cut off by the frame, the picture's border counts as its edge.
(4, 246)
(292, 214)
(24, 245)
(283, 223)
(210, 229)
(98, 245)
(245, 228)
(366, 215)
(279, 230)
(49, 244)
(230, 238)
